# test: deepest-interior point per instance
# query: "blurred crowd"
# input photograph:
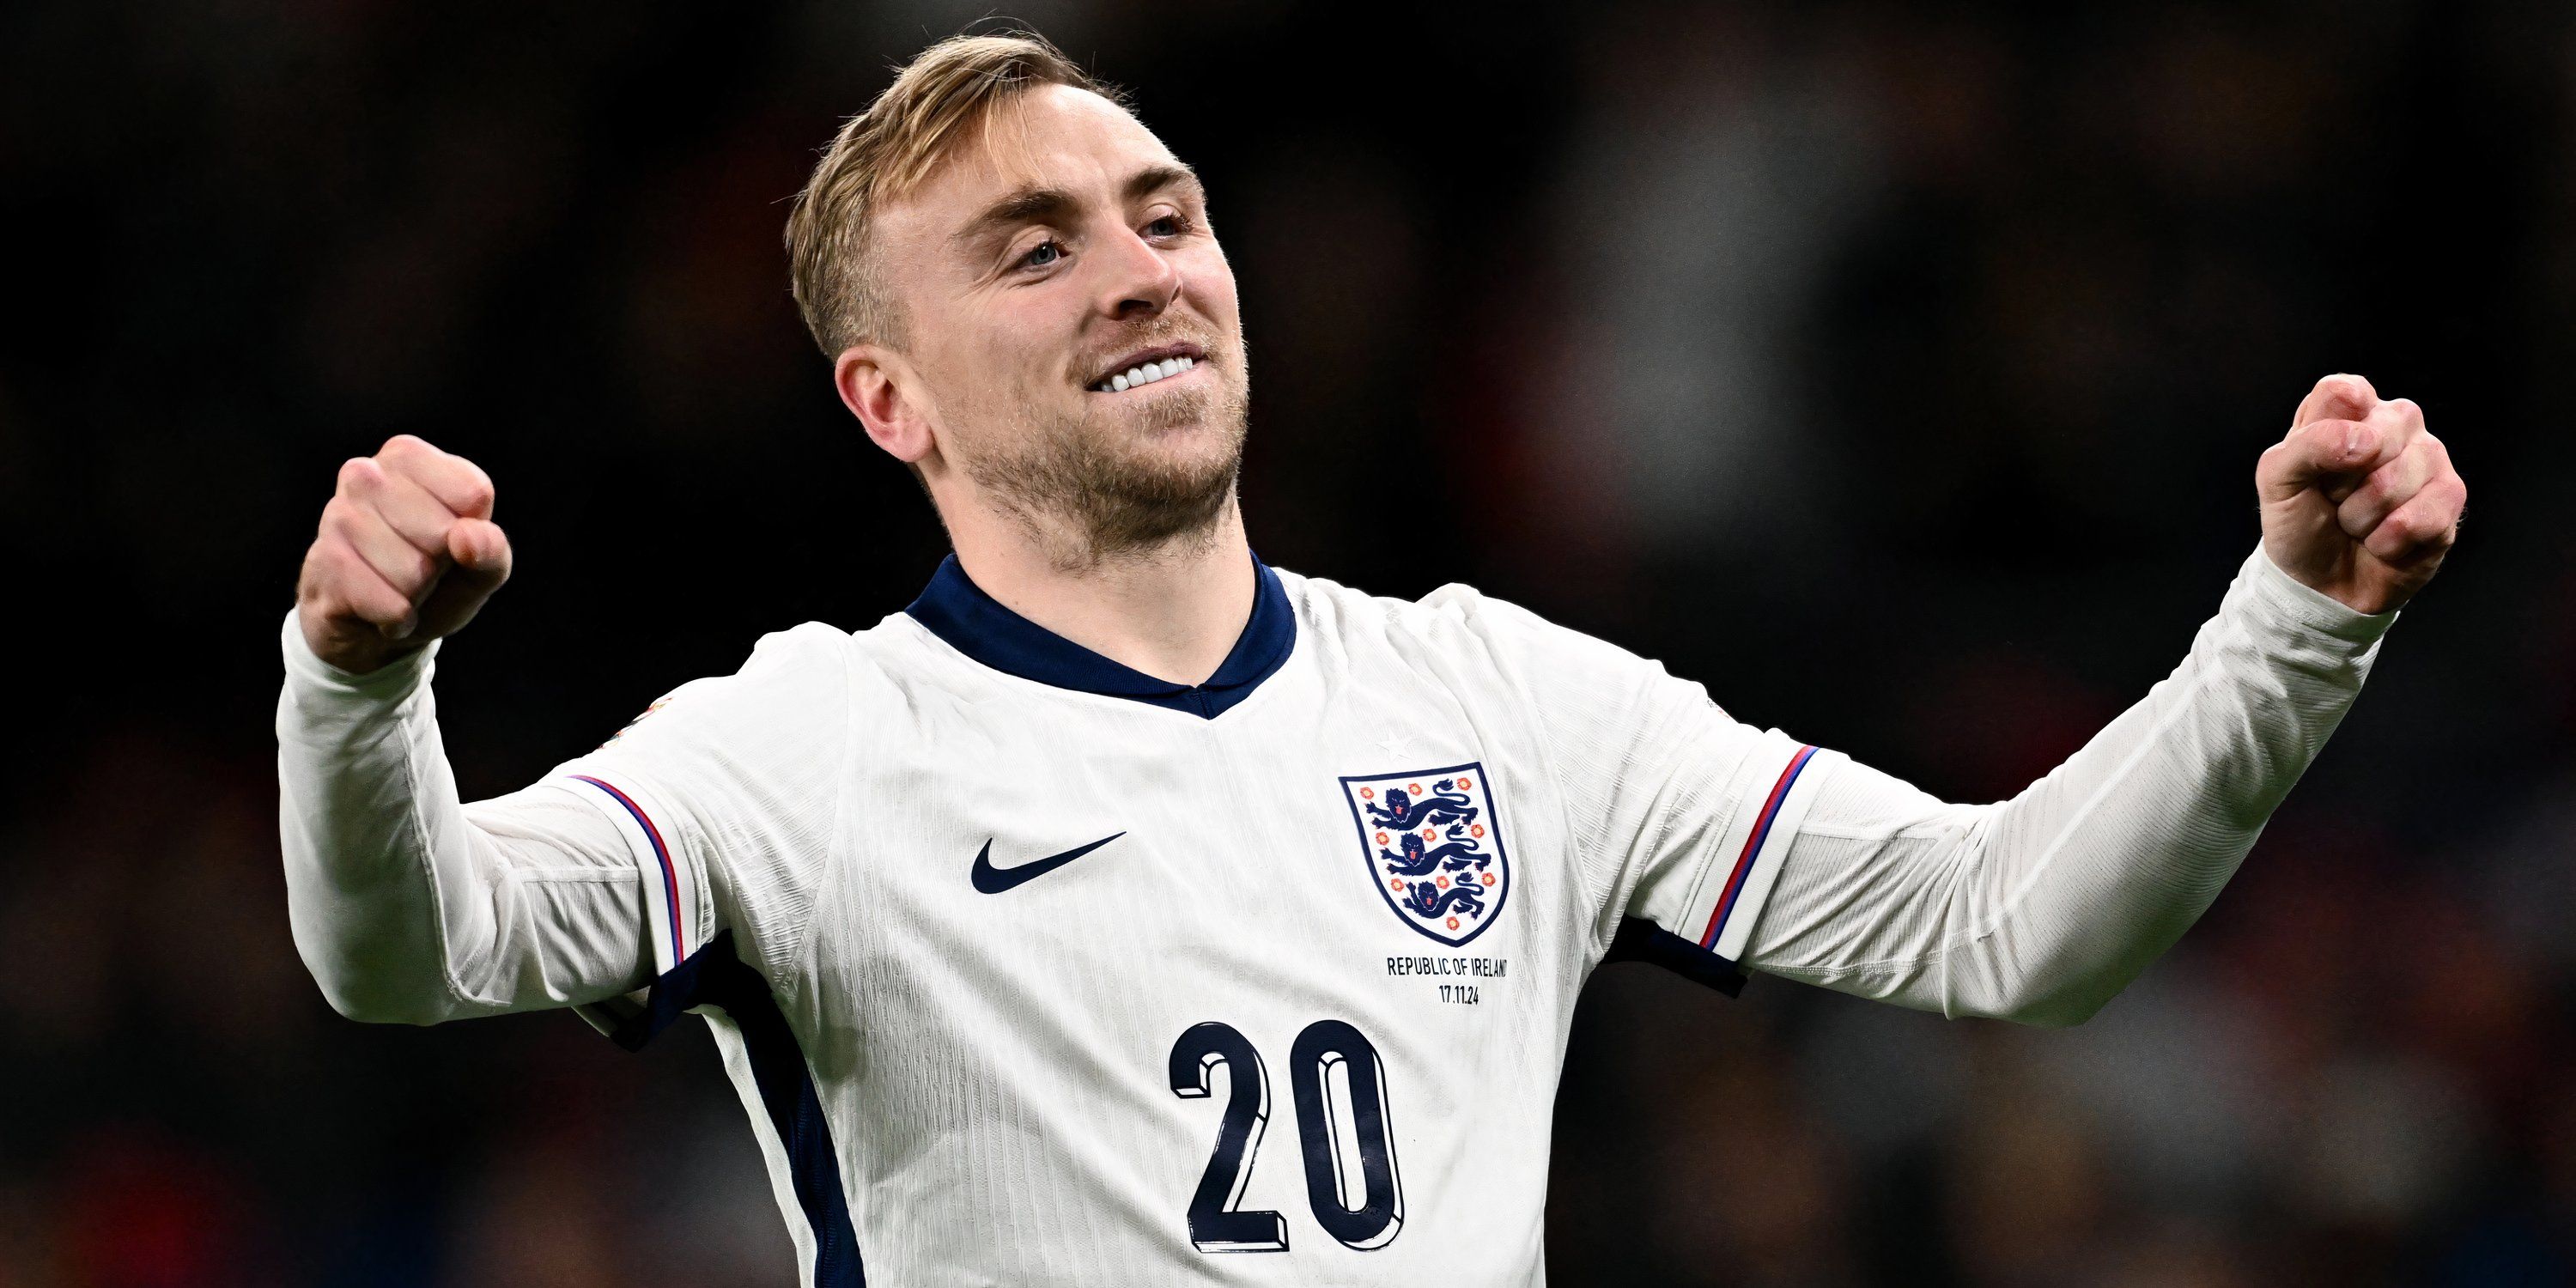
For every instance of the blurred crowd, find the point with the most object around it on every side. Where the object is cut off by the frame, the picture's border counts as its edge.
(1898, 375)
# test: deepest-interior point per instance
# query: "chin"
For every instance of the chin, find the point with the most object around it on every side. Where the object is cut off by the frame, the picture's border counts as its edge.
(1183, 430)
(1186, 460)
(1160, 468)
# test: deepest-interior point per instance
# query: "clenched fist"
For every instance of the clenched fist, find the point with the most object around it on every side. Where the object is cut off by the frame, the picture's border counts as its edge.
(2358, 500)
(407, 553)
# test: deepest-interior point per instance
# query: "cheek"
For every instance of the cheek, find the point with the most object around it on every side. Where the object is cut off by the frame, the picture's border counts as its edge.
(996, 363)
(1031, 338)
(1213, 283)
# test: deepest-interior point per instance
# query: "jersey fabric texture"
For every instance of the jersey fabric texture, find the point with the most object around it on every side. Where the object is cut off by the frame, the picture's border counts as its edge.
(1032, 969)
(1322, 943)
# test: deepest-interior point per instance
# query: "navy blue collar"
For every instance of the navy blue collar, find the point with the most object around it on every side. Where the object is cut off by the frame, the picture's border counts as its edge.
(957, 610)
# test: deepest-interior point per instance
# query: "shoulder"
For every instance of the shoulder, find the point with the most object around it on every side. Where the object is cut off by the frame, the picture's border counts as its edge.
(1461, 622)
(791, 677)
(792, 662)
(1333, 607)
(814, 646)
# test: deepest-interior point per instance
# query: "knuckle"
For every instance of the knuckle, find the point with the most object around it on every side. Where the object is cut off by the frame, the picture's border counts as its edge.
(351, 518)
(2428, 450)
(404, 447)
(467, 484)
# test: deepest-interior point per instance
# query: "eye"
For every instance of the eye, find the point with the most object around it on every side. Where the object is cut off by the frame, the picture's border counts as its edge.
(1042, 254)
(1167, 226)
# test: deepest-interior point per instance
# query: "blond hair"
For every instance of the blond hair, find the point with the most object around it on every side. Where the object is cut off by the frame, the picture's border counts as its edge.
(941, 97)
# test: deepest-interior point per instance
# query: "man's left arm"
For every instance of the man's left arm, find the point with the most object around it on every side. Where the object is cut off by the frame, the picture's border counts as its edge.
(2041, 908)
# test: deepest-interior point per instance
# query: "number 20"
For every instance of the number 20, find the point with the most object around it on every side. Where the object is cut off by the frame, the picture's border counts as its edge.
(1216, 1225)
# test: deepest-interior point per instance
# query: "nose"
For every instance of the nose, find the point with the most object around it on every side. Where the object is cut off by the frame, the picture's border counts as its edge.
(1140, 282)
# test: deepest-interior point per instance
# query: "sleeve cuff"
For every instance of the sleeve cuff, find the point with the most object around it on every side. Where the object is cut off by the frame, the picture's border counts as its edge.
(2278, 597)
(392, 682)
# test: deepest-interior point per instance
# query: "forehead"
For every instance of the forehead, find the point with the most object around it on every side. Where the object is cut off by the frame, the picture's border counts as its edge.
(1053, 136)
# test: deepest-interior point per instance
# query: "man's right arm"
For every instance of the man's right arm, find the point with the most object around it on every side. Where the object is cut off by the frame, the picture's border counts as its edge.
(411, 907)
(408, 905)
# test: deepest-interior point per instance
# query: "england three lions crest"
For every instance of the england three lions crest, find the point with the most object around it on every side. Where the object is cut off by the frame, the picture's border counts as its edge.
(1434, 848)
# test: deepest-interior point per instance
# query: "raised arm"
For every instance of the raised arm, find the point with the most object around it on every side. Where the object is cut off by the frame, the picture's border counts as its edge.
(406, 904)
(2041, 908)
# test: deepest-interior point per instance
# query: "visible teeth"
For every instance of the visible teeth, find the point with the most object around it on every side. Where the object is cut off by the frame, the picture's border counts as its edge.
(1147, 373)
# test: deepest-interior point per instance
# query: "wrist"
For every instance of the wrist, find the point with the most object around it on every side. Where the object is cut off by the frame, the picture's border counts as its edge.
(390, 672)
(351, 648)
(2285, 597)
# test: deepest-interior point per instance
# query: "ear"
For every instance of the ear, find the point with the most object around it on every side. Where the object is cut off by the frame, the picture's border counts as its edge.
(877, 386)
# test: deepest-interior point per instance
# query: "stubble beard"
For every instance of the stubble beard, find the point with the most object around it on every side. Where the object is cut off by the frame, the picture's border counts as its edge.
(1093, 489)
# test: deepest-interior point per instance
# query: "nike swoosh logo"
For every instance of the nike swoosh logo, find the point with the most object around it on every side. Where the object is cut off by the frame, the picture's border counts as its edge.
(993, 880)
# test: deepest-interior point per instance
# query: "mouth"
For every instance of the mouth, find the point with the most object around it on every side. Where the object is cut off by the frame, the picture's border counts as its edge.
(1149, 366)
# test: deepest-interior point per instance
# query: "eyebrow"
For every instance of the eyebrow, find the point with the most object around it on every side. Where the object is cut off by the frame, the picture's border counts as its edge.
(1046, 205)
(1026, 206)
(1155, 178)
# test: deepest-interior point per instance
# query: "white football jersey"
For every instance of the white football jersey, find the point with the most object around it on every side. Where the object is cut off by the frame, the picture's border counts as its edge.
(1034, 969)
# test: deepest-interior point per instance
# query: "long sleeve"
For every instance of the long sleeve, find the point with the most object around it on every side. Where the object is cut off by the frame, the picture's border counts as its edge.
(410, 906)
(2041, 908)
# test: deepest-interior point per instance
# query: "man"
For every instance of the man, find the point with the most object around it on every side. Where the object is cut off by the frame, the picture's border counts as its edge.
(1024, 916)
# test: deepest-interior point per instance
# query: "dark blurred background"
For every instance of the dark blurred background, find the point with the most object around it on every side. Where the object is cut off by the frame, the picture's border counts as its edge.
(1899, 375)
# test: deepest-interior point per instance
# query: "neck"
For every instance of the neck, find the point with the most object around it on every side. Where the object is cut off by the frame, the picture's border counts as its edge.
(1172, 611)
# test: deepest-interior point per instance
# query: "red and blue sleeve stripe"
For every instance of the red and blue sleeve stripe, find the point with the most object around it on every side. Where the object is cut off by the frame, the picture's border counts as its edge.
(661, 852)
(1753, 845)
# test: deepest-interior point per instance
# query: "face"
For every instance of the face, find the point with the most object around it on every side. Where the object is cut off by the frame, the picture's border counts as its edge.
(1071, 352)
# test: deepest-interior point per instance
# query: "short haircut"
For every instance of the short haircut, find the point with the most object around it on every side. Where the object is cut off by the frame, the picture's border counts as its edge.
(943, 97)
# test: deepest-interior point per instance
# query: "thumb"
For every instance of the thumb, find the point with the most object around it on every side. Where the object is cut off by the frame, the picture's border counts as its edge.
(2315, 452)
(481, 551)
(481, 555)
